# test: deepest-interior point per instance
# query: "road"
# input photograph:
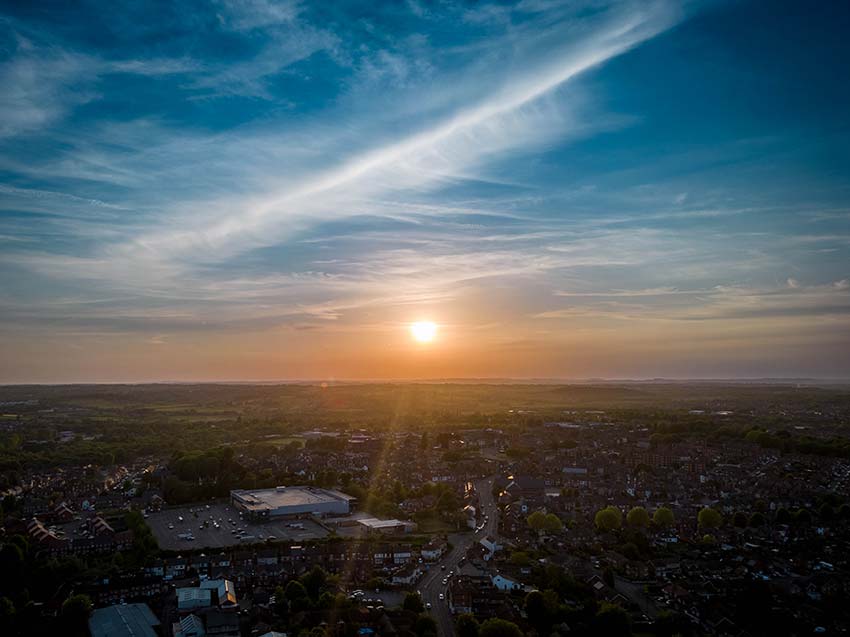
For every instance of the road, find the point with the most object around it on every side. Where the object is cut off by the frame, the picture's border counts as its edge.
(432, 584)
(635, 594)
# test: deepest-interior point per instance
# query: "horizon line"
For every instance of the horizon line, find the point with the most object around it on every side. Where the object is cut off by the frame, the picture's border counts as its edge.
(779, 380)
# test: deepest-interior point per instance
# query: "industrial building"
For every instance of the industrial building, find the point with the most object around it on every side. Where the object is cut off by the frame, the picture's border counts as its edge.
(291, 502)
(387, 527)
(124, 620)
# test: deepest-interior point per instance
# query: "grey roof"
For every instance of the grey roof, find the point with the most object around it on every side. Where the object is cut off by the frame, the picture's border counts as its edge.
(259, 499)
(125, 620)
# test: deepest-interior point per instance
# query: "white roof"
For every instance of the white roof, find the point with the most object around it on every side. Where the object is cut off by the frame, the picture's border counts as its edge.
(193, 597)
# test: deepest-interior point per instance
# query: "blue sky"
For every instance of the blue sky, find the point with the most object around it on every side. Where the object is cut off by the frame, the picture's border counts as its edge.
(272, 190)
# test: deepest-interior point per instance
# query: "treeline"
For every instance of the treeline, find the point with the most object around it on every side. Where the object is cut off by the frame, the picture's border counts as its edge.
(202, 475)
(785, 442)
(781, 440)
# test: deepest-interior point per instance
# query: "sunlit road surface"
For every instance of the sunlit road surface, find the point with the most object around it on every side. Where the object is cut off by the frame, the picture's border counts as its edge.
(432, 584)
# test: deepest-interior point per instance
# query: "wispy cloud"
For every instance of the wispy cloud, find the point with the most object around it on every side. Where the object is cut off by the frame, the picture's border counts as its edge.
(279, 166)
(509, 119)
(718, 303)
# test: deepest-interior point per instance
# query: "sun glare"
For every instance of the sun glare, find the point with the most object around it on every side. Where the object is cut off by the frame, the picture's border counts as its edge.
(423, 331)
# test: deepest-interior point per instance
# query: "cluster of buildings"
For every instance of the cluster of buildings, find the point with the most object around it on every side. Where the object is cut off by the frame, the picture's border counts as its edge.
(208, 609)
(793, 558)
(567, 469)
(64, 532)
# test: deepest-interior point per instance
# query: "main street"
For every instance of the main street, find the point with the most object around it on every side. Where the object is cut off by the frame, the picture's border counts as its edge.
(432, 584)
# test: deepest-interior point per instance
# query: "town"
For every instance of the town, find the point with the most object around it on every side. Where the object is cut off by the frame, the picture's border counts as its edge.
(682, 510)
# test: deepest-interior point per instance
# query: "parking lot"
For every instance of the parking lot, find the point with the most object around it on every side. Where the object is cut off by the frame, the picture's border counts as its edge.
(199, 521)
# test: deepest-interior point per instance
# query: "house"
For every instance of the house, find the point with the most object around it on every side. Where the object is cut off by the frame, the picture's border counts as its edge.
(433, 550)
(473, 594)
(267, 557)
(176, 567)
(407, 575)
(63, 513)
(471, 516)
(191, 599)
(46, 537)
(526, 487)
(189, 626)
(225, 593)
(222, 624)
(98, 526)
(504, 583)
(491, 545)
(156, 568)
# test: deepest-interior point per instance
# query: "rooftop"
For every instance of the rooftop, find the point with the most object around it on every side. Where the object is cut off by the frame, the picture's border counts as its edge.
(126, 620)
(260, 499)
(194, 594)
(375, 523)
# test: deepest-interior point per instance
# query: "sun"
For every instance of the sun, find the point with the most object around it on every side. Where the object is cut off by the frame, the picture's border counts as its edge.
(423, 331)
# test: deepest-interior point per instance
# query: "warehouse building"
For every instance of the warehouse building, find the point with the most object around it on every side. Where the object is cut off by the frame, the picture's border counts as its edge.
(124, 620)
(291, 502)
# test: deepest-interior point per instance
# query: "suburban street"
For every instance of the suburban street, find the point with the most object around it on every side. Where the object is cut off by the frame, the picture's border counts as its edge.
(432, 584)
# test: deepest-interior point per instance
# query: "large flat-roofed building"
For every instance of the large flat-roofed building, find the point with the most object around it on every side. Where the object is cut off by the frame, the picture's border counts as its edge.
(125, 620)
(374, 525)
(291, 501)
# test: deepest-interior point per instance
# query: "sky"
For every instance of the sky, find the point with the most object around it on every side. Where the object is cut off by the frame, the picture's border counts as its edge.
(259, 190)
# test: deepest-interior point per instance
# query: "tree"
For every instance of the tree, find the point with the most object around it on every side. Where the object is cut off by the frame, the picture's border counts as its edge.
(11, 567)
(740, 519)
(495, 627)
(314, 581)
(535, 607)
(709, 518)
(666, 624)
(844, 511)
(608, 519)
(802, 516)
(413, 603)
(826, 512)
(75, 614)
(630, 551)
(7, 615)
(552, 523)
(638, 518)
(519, 558)
(295, 590)
(547, 522)
(611, 620)
(467, 626)
(425, 626)
(783, 516)
(447, 502)
(296, 595)
(757, 519)
(540, 608)
(663, 518)
(537, 520)
(281, 605)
